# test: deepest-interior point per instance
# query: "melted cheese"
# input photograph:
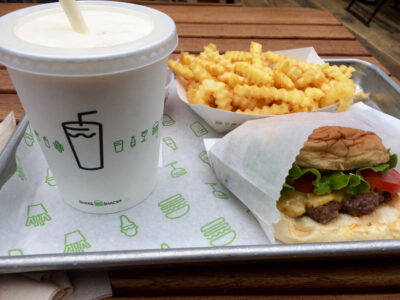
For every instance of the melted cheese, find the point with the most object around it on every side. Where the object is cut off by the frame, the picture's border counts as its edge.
(295, 204)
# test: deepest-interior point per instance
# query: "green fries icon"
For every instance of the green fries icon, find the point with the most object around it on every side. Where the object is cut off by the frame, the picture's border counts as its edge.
(37, 215)
(174, 207)
(218, 232)
(75, 242)
(15, 252)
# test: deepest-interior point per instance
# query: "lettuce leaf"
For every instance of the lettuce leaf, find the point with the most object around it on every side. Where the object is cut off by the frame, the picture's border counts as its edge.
(326, 182)
(383, 168)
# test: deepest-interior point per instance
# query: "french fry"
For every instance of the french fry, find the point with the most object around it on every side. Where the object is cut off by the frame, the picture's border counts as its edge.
(250, 82)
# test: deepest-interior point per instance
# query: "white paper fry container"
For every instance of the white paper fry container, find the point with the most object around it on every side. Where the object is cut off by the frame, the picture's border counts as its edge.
(253, 160)
(96, 112)
(225, 121)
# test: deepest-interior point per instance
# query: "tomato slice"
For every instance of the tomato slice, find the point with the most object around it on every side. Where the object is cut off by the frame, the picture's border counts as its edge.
(389, 182)
(304, 183)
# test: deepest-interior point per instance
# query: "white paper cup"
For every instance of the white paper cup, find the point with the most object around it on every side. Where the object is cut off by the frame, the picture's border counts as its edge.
(96, 113)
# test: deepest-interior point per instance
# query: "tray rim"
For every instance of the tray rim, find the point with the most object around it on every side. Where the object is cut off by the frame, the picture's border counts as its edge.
(147, 257)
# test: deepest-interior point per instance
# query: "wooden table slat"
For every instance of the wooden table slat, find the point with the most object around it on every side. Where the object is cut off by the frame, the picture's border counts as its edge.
(324, 32)
(6, 85)
(10, 102)
(261, 278)
(247, 15)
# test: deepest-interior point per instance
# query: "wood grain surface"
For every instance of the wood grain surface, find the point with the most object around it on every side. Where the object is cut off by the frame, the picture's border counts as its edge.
(274, 31)
(307, 277)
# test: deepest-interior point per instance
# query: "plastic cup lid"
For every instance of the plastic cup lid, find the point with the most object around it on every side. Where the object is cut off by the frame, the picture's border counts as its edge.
(32, 58)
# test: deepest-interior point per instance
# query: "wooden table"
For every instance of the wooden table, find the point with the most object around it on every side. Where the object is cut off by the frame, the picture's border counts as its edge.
(233, 28)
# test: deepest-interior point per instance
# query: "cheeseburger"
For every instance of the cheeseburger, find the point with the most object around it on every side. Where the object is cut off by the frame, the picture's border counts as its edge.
(342, 187)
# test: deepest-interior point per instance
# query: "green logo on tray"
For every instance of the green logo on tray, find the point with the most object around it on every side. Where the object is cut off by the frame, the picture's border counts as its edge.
(75, 242)
(174, 207)
(198, 129)
(204, 158)
(176, 171)
(128, 227)
(37, 215)
(218, 232)
(165, 246)
(20, 171)
(15, 252)
(28, 136)
(216, 193)
(49, 180)
(167, 120)
(169, 142)
(118, 146)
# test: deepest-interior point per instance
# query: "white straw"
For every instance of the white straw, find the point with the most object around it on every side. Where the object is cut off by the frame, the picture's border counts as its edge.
(74, 15)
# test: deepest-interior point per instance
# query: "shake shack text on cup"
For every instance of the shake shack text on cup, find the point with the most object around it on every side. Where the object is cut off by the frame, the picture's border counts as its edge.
(89, 92)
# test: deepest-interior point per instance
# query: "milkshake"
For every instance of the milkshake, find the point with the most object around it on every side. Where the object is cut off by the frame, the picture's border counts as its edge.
(89, 94)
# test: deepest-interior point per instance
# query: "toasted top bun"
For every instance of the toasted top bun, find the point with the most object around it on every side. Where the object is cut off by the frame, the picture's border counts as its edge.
(383, 223)
(338, 148)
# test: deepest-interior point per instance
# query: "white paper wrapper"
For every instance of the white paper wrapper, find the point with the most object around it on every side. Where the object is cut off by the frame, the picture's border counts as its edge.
(181, 212)
(253, 160)
(225, 121)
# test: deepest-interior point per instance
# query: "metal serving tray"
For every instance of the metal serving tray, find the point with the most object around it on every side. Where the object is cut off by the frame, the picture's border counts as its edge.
(385, 95)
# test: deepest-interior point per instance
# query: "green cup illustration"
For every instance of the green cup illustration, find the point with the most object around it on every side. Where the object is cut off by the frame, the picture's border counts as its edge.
(165, 246)
(46, 142)
(204, 158)
(169, 142)
(133, 141)
(167, 120)
(128, 227)
(174, 207)
(118, 146)
(58, 146)
(154, 129)
(37, 215)
(176, 172)
(143, 135)
(198, 129)
(20, 171)
(217, 194)
(28, 136)
(37, 135)
(75, 242)
(15, 252)
(218, 232)
(49, 178)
